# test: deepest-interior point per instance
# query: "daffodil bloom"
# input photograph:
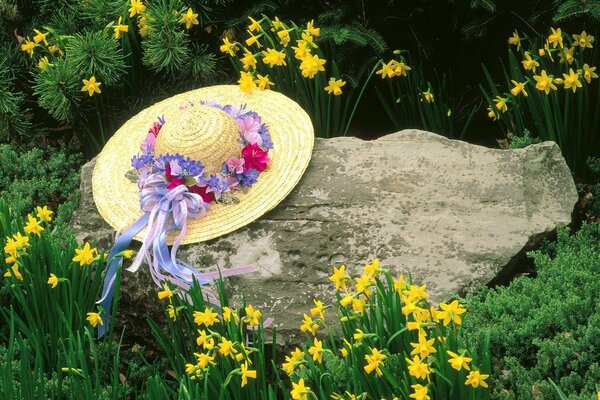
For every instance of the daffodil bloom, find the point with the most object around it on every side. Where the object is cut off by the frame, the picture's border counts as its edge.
(246, 82)
(529, 63)
(194, 371)
(417, 368)
(387, 70)
(248, 61)
(94, 319)
(541, 52)
(85, 256)
(263, 82)
(476, 379)
(252, 317)
(254, 25)
(284, 37)
(335, 86)
(228, 314)
(40, 37)
(515, 40)
(14, 271)
(297, 355)
(165, 294)
(55, 49)
(91, 86)
(120, 28)
(544, 82)
(33, 226)
(143, 25)
(428, 96)
(299, 391)
(519, 88)
(415, 293)
(458, 362)
(172, 311)
(555, 39)
(246, 373)
(301, 51)
(423, 347)
(289, 366)
(311, 29)
(43, 63)
(364, 284)
(571, 80)
(128, 254)
(308, 325)
(228, 47)
(566, 55)
(346, 300)
(137, 7)
(42, 212)
(53, 281)
(189, 18)
(204, 340)
(400, 283)
(316, 350)
(374, 361)
(273, 57)
(226, 347)
(253, 40)
(359, 335)
(204, 360)
(20, 240)
(500, 103)
(28, 47)
(451, 312)
(358, 305)
(420, 392)
(588, 73)
(584, 40)
(309, 40)
(311, 65)
(207, 317)
(339, 277)
(276, 24)
(491, 113)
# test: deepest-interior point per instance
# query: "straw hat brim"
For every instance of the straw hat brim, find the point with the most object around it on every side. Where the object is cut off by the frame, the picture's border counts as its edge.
(117, 196)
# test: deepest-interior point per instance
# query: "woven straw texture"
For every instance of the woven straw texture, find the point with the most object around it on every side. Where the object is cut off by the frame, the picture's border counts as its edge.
(117, 197)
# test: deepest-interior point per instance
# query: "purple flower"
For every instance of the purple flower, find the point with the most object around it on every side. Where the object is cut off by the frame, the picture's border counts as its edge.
(248, 178)
(249, 126)
(138, 162)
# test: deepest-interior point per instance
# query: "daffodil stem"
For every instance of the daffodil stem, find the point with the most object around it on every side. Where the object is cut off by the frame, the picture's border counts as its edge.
(362, 90)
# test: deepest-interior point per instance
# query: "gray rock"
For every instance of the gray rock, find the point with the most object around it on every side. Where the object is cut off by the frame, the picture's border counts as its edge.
(454, 215)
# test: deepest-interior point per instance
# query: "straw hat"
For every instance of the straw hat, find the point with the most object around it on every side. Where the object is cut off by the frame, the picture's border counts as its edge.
(209, 135)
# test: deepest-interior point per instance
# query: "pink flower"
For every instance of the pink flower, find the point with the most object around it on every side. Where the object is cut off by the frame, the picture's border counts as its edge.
(207, 197)
(255, 157)
(249, 126)
(149, 142)
(173, 181)
(235, 164)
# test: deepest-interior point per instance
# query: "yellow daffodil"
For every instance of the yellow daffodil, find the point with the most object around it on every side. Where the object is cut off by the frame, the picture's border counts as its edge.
(415, 293)
(311, 29)
(584, 40)
(476, 379)
(128, 254)
(273, 57)
(451, 312)
(571, 80)
(40, 37)
(263, 82)
(400, 69)
(229, 314)
(252, 317)
(387, 70)
(166, 293)
(566, 55)
(253, 40)
(417, 368)
(299, 391)
(284, 37)
(119, 28)
(372, 268)
(33, 226)
(85, 256)
(226, 347)
(529, 63)
(358, 305)
(555, 38)
(420, 392)
(206, 317)
(544, 82)
(228, 47)
(308, 39)
(14, 271)
(94, 319)
(248, 61)
(189, 18)
(428, 96)
(204, 360)
(137, 7)
(515, 40)
(588, 73)
(374, 361)
(91, 86)
(53, 281)
(246, 373)
(254, 25)
(500, 103)
(28, 47)
(246, 82)
(318, 309)
(491, 113)
(289, 366)
(276, 24)
(316, 350)
(364, 284)
(339, 277)
(172, 311)
(458, 362)
(308, 325)
(519, 88)
(55, 49)
(301, 51)
(423, 347)
(335, 86)
(43, 213)
(43, 63)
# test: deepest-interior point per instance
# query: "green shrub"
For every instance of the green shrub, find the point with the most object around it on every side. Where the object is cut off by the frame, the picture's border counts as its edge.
(546, 327)
(41, 177)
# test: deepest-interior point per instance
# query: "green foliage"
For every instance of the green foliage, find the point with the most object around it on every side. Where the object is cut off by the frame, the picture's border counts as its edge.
(520, 142)
(58, 89)
(41, 177)
(13, 120)
(546, 327)
(567, 9)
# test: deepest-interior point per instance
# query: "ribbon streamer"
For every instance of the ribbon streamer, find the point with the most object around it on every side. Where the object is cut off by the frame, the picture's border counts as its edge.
(165, 210)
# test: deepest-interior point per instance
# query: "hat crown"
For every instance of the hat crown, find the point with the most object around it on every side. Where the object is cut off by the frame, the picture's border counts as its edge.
(203, 133)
